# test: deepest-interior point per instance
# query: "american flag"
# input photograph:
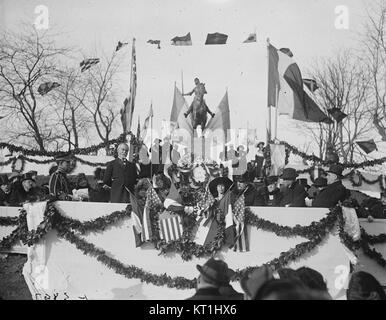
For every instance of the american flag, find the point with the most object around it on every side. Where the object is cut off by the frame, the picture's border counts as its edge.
(128, 104)
(206, 201)
(88, 63)
(152, 202)
(47, 87)
(170, 226)
(242, 242)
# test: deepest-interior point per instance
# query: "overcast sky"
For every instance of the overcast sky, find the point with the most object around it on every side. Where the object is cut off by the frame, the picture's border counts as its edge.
(306, 27)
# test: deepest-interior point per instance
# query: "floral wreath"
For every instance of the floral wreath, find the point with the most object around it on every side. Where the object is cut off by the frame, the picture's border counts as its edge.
(200, 174)
(18, 164)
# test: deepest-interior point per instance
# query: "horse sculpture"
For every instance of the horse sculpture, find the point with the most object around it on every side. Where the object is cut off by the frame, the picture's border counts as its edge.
(198, 108)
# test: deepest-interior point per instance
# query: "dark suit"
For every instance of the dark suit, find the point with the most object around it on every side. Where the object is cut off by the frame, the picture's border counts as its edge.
(18, 195)
(330, 195)
(293, 196)
(119, 175)
(252, 197)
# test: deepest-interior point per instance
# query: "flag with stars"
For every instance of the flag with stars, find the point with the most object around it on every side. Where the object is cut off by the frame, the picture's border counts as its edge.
(153, 202)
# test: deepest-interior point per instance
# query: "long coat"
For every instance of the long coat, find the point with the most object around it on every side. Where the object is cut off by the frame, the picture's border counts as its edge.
(292, 196)
(120, 176)
(330, 195)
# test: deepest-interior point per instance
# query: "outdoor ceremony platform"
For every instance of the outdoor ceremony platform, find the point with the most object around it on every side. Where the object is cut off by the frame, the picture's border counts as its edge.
(57, 268)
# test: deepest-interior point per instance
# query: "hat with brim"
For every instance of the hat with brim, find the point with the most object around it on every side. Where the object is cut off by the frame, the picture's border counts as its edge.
(261, 143)
(252, 282)
(226, 182)
(289, 174)
(320, 182)
(216, 271)
(335, 169)
(271, 180)
(27, 176)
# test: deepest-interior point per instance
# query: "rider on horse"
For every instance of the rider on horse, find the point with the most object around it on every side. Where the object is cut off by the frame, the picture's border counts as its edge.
(199, 91)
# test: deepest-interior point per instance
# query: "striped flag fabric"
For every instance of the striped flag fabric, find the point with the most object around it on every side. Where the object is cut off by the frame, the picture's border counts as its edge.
(128, 104)
(182, 41)
(88, 63)
(152, 202)
(137, 217)
(46, 87)
(241, 239)
(285, 88)
(216, 38)
(170, 226)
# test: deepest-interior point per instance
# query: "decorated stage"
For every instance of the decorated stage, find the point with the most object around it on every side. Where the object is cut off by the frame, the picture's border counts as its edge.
(105, 264)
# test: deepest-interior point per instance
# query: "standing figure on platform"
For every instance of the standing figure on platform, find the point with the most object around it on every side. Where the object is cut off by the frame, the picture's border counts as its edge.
(59, 185)
(120, 176)
(198, 108)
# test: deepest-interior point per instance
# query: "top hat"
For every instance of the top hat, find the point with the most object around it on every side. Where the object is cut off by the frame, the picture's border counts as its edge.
(216, 271)
(320, 182)
(219, 180)
(336, 169)
(3, 179)
(289, 174)
(27, 176)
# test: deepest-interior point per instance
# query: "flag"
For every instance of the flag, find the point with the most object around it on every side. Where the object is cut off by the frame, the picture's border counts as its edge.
(221, 120)
(206, 201)
(337, 114)
(138, 129)
(182, 41)
(173, 198)
(367, 146)
(47, 87)
(170, 226)
(226, 207)
(157, 42)
(120, 45)
(310, 84)
(287, 51)
(177, 113)
(137, 217)
(216, 38)
(241, 240)
(146, 123)
(128, 104)
(88, 63)
(285, 89)
(152, 203)
(251, 38)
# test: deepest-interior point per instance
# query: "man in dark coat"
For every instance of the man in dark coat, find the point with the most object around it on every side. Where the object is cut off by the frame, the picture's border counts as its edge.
(23, 191)
(291, 194)
(334, 192)
(252, 197)
(213, 283)
(5, 190)
(120, 176)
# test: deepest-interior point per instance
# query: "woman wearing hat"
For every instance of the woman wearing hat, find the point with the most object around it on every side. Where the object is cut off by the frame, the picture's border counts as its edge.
(334, 192)
(23, 191)
(5, 190)
(291, 194)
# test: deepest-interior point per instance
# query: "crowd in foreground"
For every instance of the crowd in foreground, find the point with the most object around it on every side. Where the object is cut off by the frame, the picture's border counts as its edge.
(214, 283)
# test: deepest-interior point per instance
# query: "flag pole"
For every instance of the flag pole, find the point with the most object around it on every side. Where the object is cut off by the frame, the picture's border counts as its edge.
(151, 141)
(268, 129)
(182, 81)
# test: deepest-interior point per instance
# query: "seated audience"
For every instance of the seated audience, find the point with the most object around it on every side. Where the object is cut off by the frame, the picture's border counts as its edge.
(364, 286)
(244, 186)
(334, 192)
(291, 194)
(98, 193)
(319, 184)
(213, 282)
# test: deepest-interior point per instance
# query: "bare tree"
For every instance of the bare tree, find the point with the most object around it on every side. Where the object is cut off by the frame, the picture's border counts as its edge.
(28, 59)
(374, 55)
(101, 99)
(343, 84)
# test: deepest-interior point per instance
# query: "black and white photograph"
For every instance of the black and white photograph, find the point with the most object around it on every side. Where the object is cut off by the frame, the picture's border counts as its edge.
(206, 150)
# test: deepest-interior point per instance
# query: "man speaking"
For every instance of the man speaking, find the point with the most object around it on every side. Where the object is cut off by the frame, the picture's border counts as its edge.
(120, 176)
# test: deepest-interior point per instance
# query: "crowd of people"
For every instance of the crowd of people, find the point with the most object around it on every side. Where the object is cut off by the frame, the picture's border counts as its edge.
(214, 283)
(120, 178)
